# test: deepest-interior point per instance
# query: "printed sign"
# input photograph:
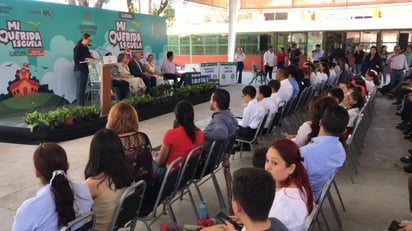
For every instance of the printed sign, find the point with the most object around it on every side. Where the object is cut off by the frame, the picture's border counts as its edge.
(210, 69)
(227, 73)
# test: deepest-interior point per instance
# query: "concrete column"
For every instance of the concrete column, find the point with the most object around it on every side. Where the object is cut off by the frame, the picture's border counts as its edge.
(233, 8)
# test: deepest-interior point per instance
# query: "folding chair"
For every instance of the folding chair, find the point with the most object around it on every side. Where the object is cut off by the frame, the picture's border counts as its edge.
(127, 211)
(167, 191)
(188, 174)
(212, 162)
(84, 222)
(259, 129)
(257, 74)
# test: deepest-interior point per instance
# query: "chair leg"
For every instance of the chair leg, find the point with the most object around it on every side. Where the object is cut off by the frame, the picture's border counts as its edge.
(171, 212)
(324, 220)
(145, 224)
(339, 196)
(198, 191)
(193, 203)
(218, 191)
(334, 210)
(349, 171)
(228, 179)
(241, 150)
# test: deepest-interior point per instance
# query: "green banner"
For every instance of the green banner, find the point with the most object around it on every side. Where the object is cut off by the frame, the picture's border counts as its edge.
(37, 41)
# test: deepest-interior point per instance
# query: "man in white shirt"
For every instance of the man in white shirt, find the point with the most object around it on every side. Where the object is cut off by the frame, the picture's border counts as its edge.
(275, 86)
(169, 68)
(268, 104)
(252, 115)
(269, 61)
(317, 54)
(398, 64)
(286, 89)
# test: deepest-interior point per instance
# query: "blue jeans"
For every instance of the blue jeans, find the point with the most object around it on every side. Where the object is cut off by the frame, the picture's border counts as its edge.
(384, 74)
(160, 171)
(357, 68)
(397, 78)
(81, 83)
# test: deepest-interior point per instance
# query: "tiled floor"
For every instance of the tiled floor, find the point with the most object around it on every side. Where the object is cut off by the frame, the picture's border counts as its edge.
(378, 196)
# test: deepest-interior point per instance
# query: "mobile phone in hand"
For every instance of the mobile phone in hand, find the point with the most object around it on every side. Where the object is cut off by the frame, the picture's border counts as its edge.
(394, 226)
(223, 217)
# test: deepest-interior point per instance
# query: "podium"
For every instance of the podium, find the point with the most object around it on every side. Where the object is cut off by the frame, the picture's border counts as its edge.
(106, 89)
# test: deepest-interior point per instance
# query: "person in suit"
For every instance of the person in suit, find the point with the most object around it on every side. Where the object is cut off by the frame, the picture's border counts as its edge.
(137, 70)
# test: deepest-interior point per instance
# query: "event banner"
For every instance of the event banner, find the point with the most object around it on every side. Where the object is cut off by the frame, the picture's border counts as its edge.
(227, 73)
(210, 69)
(37, 41)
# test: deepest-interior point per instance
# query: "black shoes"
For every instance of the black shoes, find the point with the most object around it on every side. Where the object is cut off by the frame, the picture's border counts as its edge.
(406, 159)
(381, 91)
(408, 168)
(397, 103)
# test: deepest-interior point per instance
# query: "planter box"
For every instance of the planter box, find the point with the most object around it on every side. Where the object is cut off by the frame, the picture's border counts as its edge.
(24, 136)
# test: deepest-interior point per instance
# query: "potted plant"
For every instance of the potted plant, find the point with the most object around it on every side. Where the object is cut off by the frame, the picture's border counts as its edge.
(67, 115)
(54, 118)
(32, 120)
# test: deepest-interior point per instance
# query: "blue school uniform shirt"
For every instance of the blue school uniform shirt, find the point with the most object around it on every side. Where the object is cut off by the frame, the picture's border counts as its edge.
(295, 86)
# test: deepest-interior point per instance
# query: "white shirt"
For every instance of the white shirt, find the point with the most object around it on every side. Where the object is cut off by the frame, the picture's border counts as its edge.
(289, 208)
(252, 114)
(270, 106)
(353, 114)
(370, 85)
(320, 78)
(301, 138)
(398, 62)
(240, 57)
(269, 58)
(316, 55)
(332, 74)
(276, 99)
(286, 90)
(39, 212)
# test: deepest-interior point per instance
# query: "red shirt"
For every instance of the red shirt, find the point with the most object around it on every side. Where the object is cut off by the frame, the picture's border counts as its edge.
(281, 57)
(180, 144)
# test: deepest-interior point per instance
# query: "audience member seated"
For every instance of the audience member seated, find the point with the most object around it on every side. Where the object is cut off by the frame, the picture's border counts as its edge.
(178, 141)
(124, 121)
(137, 70)
(267, 103)
(371, 80)
(355, 102)
(292, 77)
(136, 85)
(59, 200)
(337, 94)
(119, 83)
(285, 92)
(108, 175)
(347, 89)
(326, 153)
(359, 83)
(322, 74)
(169, 69)
(310, 128)
(294, 199)
(252, 115)
(223, 124)
(332, 72)
(253, 195)
(309, 70)
(151, 69)
(275, 86)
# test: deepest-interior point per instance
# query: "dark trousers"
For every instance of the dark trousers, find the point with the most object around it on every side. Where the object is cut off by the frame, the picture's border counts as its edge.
(239, 69)
(268, 69)
(123, 87)
(168, 76)
(280, 64)
(81, 83)
(149, 82)
(246, 133)
(397, 78)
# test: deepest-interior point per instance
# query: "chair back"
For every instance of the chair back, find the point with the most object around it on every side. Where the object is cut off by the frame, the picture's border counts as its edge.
(212, 159)
(84, 222)
(231, 142)
(190, 167)
(129, 205)
(168, 187)
(311, 218)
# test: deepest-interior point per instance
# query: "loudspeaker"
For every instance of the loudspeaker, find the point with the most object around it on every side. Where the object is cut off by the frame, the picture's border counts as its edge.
(403, 40)
(263, 42)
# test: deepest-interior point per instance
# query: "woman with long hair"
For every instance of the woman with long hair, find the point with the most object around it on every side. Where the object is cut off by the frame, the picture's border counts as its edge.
(372, 61)
(81, 56)
(107, 174)
(59, 200)
(384, 55)
(178, 141)
(294, 198)
(151, 69)
(310, 128)
(124, 121)
(240, 59)
(355, 103)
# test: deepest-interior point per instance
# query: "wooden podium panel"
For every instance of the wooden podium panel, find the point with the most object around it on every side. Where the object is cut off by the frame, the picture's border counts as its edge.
(106, 89)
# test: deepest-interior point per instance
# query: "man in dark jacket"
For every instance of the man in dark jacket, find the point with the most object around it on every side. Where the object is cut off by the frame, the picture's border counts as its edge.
(137, 70)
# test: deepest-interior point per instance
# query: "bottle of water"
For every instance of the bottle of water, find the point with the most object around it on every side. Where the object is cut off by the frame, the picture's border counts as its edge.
(203, 213)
